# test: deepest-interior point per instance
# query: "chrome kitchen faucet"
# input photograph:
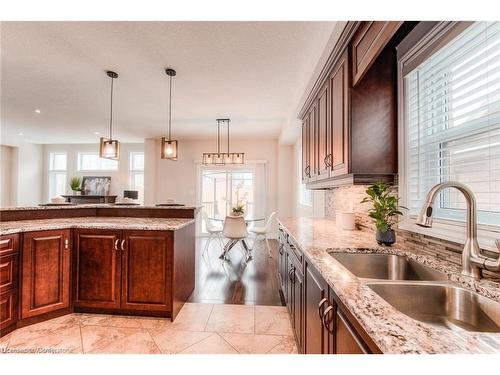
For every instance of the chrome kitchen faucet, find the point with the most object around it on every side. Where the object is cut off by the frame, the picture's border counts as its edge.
(473, 262)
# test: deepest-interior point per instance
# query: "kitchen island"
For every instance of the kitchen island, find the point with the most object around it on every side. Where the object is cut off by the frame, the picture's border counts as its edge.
(128, 260)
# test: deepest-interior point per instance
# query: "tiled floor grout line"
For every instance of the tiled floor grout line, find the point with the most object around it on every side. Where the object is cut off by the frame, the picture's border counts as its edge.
(209, 316)
(154, 342)
(81, 335)
(231, 345)
(197, 342)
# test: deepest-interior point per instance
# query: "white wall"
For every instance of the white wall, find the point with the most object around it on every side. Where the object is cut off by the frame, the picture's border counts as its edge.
(120, 179)
(27, 174)
(7, 176)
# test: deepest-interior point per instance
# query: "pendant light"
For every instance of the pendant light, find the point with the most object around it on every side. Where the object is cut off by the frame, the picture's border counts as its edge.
(223, 158)
(109, 148)
(169, 145)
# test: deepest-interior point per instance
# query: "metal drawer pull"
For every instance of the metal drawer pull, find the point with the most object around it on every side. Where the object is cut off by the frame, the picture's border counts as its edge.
(121, 245)
(116, 244)
(325, 314)
(320, 306)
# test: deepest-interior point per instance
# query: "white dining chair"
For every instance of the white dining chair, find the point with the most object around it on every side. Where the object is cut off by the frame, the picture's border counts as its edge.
(263, 232)
(235, 230)
(214, 232)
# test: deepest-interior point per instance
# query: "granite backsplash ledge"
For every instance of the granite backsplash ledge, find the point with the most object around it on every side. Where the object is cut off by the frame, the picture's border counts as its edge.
(349, 197)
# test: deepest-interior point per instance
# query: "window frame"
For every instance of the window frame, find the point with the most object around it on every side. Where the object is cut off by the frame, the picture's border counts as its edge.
(53, 172)
(78, 163)
(132, 172)
(411, 56)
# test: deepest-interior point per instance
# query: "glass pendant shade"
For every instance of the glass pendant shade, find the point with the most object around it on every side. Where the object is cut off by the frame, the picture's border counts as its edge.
(109, 148)
(168, 148)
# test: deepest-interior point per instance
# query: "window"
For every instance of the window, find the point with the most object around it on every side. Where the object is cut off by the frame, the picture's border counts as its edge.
(136, 164)
(90, 161)
(57, 174)
(452, 124)
(222, 189)
(305, 195)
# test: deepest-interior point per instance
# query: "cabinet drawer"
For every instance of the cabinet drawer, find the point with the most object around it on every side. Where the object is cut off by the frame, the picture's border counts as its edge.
(8, 309)
(369, 41)
(9, 244)
(9, 271)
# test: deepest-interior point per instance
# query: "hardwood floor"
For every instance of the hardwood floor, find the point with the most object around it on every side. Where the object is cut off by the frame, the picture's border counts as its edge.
(234, 281)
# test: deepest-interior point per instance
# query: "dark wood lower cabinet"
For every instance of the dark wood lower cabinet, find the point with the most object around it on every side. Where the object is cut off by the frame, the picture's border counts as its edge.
(134, 272)
(321, 323)
(346, 339)
(97, 268)
(45, 272)
(146, 270)
(316, 338)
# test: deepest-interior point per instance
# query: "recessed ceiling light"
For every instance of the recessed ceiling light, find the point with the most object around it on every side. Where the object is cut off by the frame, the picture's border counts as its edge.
(97, 133)
(20, 133)
(38, 111)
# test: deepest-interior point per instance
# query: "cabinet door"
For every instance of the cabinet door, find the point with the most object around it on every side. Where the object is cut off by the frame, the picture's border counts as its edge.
(369, 41)
(315, 301)
(313, 141)
(340, 118)
(45, 272)
(324, 133)
(346, 339)
(8, 309)
(146, 270)
(297, 289)
(305, 148)
(97, 268)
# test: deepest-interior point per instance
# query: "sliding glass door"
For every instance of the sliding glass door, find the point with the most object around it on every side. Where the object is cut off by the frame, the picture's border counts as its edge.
(222, 189)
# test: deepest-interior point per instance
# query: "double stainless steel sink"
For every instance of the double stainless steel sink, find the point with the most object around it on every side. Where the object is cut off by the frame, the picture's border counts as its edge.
(423, 293)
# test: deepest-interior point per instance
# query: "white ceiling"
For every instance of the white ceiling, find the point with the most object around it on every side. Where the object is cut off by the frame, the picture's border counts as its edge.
(253, 72)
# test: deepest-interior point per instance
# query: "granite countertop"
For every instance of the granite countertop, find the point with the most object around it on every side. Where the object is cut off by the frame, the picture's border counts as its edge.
(97, 205)
(391, 330)
(134, 223)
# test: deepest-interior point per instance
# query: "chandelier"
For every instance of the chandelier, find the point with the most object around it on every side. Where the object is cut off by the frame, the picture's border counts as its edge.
(223, 158)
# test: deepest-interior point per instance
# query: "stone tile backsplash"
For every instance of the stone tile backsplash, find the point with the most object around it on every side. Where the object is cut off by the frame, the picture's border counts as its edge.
(349, 197)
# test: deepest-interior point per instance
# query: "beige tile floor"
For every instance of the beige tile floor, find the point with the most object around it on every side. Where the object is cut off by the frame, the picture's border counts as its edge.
(198, 329)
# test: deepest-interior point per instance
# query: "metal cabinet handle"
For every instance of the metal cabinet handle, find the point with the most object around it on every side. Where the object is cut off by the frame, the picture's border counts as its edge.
(66, 243)
(291, 275)
(280, 249)
(325, 314)
(320, 306)
(121, 245)
(116, 244)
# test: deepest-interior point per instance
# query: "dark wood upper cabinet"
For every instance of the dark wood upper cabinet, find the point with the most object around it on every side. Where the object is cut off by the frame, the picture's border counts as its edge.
(340, 116)
(315, 301)
(305, 149)
(97, 268)
(369, 40)
(324, 133)
(45, 272)
(146, 270)
(313, 141)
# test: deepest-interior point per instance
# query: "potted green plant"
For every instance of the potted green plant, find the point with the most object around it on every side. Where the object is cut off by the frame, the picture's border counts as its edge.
(75, 183)
(238, 209)
(384, 211)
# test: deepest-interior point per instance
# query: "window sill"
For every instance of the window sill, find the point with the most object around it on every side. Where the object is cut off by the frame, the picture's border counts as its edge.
(453, 231)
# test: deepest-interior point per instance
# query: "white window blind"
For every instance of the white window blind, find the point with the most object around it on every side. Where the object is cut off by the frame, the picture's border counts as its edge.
(57, 174)
(452, 115)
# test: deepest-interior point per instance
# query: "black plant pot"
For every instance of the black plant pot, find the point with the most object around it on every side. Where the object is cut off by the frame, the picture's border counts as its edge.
(386, 238)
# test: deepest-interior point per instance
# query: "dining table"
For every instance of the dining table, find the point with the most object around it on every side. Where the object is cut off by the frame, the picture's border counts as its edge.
(248, 220)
